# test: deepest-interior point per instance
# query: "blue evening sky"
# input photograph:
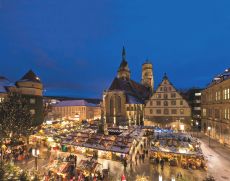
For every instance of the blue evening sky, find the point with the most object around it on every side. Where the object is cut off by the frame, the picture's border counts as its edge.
(75, 46)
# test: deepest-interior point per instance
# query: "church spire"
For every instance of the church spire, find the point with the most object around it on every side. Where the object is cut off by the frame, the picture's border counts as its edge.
(123, 71)
(123, 54)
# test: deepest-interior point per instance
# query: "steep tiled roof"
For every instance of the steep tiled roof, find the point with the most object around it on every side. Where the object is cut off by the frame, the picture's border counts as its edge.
(30, 76)
(139, 91)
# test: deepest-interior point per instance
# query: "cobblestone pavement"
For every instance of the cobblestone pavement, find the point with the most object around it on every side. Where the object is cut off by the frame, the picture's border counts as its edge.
(218, 157)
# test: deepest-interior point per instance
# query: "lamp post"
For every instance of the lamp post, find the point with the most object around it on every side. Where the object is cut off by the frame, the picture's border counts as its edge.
(35, 153)
(197, 124)
(209, 129)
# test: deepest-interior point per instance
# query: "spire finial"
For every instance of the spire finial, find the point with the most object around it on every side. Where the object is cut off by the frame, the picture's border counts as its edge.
(123, 53)
(165, 76)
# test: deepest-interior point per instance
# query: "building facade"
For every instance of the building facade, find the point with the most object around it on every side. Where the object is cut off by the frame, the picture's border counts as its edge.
(215, 101)
(193, 96)
(78, 110)
(31, 88)
(123, 102)
(167, 108)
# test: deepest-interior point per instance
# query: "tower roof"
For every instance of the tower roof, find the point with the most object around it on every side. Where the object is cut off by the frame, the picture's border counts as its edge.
(124, 63)
(30, 76)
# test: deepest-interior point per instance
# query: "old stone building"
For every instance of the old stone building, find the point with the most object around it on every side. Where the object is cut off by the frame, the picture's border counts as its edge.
(31, 88)
(167, 108)
(215, 102)
(123, 101)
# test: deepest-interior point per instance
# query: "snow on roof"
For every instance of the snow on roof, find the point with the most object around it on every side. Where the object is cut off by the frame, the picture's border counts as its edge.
(75, 103)
(133, 100)
(4, 82)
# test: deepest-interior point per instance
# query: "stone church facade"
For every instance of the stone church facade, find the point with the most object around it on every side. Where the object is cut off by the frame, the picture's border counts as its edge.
(123, 101)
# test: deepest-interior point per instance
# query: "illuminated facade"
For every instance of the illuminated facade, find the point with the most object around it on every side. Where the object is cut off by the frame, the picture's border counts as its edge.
(215, 102)
(123, 102)
(77, 110)
(167, 108)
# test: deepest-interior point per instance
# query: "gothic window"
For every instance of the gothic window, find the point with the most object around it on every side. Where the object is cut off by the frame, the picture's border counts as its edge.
(111, 104)
(118, 98)
(165, 89)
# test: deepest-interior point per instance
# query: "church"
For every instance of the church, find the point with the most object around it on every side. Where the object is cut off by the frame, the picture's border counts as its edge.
(123, 102)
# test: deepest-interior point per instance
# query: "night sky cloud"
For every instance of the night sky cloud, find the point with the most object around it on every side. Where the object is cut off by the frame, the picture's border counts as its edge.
(75, 46)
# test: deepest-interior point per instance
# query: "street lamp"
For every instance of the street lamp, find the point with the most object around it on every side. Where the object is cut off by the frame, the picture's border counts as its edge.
(35, 153)
(197, 124)
(209, 129)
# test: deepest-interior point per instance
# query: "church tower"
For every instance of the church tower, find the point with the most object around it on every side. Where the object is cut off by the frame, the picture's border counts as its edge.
(147, 75)
(123, 71)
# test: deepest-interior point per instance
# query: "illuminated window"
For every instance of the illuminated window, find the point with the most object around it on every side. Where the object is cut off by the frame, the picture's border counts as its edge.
(32, 111)
(32, 101)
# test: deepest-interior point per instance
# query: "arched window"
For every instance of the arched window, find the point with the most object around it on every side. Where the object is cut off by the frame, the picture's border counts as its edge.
(118, 99)
(111, 105)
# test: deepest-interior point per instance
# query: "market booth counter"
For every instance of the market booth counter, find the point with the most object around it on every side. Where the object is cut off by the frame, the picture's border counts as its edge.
(88, 167)
(188, 155)
(59, 168)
